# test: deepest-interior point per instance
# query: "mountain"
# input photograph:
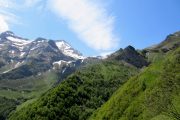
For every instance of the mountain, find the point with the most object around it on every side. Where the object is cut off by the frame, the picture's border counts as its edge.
(128, 84)
(68, 50)
(156, 52)
(28, 68)
(154, 93)
(171, 42)
(78, 96)
(17, 52)
(88, 88)
(151, 95)
(131, 56)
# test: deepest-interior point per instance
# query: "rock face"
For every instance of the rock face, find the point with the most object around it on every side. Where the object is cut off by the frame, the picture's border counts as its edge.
(29, 57)
(131, 56)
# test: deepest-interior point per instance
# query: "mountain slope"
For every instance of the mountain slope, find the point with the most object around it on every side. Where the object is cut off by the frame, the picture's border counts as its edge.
(68, 50)
(129, 55)
(6, 106)
(156, 52)
(28, 68)
(151, 95)
(80, 94)
(171, 42)
(35, 56)
(92, 83)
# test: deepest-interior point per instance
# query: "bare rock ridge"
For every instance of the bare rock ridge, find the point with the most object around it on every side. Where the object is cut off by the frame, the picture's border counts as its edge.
(131, 56)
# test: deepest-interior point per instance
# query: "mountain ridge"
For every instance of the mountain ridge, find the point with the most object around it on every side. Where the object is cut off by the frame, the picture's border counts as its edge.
(75, 88)
(16, 51)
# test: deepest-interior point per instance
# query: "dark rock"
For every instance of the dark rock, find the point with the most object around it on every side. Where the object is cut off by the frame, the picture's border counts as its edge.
(131, 56)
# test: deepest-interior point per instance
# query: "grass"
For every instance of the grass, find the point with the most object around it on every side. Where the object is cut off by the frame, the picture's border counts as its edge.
(10, 94)
(25, 91)
(147, 96)
(27, 87)
(6, 106)
(80, 94)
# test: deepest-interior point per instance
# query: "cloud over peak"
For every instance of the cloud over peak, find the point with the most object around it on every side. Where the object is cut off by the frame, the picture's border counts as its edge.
(89, 20)
(6, 17)
(4, 25)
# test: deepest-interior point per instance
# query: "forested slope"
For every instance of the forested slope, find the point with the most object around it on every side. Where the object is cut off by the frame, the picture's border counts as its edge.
(80, 94)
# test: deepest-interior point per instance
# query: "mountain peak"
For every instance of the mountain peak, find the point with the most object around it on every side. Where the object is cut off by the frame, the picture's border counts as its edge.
(22, 45)
(7, 33)
(177, 33)
(172, 41)
(130, 48)
(40, 39)
(67, 49)
(131, 56)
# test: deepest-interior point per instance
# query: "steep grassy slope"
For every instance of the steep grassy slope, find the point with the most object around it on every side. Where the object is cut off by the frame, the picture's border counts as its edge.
(80, 94)
(157, 51)
(171, 42)
(154, 94)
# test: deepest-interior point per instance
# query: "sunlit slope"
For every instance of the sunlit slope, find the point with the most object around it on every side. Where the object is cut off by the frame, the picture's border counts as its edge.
(154, 94)
(80, 94)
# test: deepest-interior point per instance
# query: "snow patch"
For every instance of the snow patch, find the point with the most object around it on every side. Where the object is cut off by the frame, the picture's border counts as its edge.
(12, 51)
(64, 70)
(62, 62)
(22, 54)
(7, 71)
(62, 45)
(17, 64)
(33, 48)
(18, 41)
(67, 50)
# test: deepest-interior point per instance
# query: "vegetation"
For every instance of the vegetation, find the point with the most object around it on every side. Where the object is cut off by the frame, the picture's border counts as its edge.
(78, 96)
(6, 106)
(24, 71)
(152, 95)
(21, 92)
(107, 89)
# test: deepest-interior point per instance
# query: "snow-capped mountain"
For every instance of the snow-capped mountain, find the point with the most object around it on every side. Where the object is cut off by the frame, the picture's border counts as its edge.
(9, 38)
(68, 50)
(34, 56)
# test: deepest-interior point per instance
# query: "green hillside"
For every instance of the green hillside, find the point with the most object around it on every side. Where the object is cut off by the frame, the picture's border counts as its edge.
(20, 92)
(154, 94)
(77, 97)
(156, 52)
(6, 106)
(128, 85)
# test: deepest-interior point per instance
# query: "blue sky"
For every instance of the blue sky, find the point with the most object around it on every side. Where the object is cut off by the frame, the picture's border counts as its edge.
(93, 27)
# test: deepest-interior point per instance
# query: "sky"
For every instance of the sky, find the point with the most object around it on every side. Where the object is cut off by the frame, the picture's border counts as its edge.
(93, 27)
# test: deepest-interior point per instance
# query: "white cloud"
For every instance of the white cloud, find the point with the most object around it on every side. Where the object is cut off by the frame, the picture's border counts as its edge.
(89, 20)
(4, 25)
(105, 54)
(7, 17)
(4, 4)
